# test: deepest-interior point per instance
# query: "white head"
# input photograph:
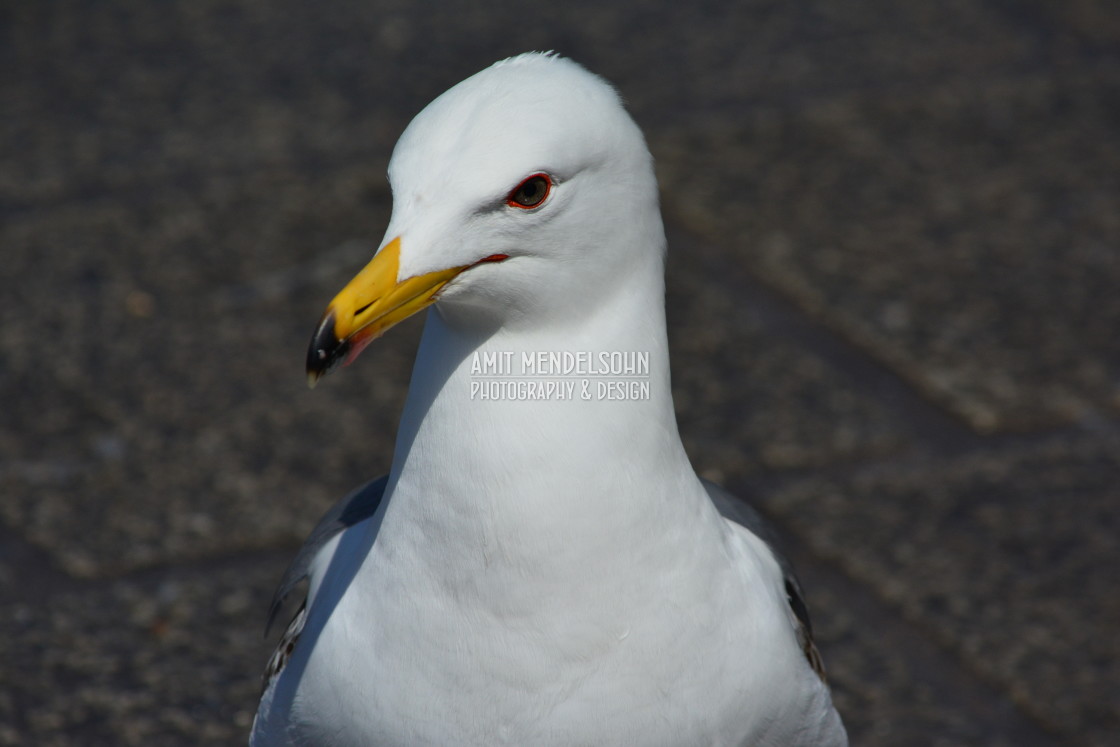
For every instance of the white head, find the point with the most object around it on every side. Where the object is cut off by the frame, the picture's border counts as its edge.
(522, 196)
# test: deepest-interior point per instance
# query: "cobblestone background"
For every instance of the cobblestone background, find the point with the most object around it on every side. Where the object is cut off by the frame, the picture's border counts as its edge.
(895, 255)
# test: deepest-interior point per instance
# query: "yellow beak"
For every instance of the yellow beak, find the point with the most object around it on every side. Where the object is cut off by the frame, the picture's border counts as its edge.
(370, 304)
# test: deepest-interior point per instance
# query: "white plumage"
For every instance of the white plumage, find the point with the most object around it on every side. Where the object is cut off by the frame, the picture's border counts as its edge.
(533, 572)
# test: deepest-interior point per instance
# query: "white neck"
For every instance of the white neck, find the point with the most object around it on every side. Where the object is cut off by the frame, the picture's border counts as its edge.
(569, 481)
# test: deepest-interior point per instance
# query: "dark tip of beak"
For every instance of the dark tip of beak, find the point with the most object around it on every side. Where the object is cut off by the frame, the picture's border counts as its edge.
(326, 351)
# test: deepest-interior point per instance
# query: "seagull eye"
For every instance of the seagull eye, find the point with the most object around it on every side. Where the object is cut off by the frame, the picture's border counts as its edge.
(531, 192)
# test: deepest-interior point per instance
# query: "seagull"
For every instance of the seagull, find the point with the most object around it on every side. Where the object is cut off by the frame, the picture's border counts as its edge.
(542, 565)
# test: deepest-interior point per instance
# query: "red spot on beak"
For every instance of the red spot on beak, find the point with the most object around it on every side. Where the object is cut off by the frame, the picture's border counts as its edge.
(357, 346)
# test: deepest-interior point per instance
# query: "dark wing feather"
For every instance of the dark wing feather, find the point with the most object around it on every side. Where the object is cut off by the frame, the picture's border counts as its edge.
(283, 651)
(744, 514)
(354, 508)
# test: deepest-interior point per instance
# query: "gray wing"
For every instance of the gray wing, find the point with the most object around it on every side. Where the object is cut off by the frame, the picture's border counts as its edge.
(354, 508)
(745, 515)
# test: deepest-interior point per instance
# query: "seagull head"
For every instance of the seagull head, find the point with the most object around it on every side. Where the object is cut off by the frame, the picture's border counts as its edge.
(522, 196)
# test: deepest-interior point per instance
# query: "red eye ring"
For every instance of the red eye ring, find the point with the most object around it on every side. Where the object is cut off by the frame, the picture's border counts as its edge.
(530, 193)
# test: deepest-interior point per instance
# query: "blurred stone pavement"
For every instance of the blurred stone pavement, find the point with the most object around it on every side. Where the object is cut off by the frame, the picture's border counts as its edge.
(894, 298)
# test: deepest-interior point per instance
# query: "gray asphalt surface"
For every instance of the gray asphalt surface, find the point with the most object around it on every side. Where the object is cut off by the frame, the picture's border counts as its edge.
(894, 262)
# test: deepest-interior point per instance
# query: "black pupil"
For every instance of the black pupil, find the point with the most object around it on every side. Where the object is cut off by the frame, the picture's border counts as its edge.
(531, 192)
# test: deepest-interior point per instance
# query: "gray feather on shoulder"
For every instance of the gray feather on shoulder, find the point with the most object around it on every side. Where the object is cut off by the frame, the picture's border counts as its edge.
(354, 508)
(745, 515)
